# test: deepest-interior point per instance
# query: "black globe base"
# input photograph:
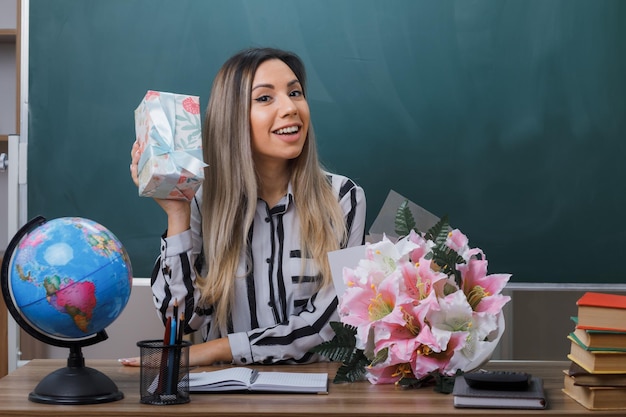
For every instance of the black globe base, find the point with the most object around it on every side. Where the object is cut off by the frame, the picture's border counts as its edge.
(75, 384)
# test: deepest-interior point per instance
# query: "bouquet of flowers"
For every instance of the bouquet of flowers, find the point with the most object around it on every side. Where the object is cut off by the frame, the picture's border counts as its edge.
(419, 309)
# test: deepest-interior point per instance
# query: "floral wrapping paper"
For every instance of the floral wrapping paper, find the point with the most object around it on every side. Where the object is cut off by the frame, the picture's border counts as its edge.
(168, 131)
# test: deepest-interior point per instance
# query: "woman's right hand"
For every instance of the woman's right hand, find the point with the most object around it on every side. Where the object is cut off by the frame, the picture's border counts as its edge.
(135, 154)
(178, 211)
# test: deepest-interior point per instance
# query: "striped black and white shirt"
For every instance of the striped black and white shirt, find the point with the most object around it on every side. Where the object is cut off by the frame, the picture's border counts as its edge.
(277, 315)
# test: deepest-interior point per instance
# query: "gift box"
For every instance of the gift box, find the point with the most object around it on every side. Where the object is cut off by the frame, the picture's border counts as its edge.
(168, 131)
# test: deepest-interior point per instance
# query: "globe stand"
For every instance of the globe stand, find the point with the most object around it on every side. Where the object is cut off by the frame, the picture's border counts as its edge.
(75, 384)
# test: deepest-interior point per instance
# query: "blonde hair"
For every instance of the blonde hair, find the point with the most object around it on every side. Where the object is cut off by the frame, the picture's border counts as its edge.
(230, 188)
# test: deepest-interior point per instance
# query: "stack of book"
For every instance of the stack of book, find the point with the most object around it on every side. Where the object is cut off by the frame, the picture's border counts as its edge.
(596, 377)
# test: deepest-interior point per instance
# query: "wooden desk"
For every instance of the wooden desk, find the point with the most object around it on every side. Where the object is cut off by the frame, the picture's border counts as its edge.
(357, 399)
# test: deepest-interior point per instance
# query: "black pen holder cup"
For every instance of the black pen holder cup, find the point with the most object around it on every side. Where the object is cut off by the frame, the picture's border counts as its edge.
(164, 372)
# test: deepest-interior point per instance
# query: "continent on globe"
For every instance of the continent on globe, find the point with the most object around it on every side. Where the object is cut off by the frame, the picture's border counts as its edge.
(78, 299)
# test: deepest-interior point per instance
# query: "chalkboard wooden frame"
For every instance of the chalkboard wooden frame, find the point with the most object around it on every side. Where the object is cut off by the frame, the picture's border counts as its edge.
(507, 116)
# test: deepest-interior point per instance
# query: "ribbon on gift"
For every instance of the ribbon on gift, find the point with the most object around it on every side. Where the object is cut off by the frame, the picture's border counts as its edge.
(162, 137)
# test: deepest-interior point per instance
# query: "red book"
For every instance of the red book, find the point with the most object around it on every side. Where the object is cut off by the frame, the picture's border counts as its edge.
(600, 311)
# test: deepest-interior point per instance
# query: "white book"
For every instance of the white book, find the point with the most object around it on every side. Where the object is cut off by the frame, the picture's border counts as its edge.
(246, 379)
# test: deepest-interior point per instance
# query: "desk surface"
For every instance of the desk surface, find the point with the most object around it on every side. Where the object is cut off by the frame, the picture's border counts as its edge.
(356, 399)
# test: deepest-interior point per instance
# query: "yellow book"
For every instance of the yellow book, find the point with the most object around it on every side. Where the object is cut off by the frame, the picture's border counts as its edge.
(595, 398)
(605, 361)
(582, 377)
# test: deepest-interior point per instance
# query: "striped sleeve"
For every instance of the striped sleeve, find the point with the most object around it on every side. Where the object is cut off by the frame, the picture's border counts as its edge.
(174, 275)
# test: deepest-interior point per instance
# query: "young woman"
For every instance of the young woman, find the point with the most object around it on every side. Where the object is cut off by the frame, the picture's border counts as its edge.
(246, 260)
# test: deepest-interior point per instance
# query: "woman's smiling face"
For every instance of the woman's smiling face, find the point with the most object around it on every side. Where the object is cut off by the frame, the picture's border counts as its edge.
(279, 113)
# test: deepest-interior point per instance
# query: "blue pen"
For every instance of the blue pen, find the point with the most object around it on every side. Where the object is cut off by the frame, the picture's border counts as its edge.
(173, 332)
(173, 379)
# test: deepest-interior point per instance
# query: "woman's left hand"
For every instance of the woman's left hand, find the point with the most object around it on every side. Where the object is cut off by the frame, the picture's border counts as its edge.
(200, 354)
(136, 361)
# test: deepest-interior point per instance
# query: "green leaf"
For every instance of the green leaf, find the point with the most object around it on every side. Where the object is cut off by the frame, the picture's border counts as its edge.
(404, 221)
(184, 118)
(342, 348)
(345, 334)
(444, 383)
(407, 382)
(380, 357)
(333, 351)
(447, 259)
(353, 369)
(439, 232)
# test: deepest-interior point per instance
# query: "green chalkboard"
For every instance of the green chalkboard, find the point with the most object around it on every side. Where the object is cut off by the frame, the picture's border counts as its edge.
(509, 116)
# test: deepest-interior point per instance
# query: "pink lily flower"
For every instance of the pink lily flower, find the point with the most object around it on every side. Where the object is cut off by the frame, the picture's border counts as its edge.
(427, 361)
(403, 335)
(419, 278)
(483, 291)
(459, 243)
(388, 374)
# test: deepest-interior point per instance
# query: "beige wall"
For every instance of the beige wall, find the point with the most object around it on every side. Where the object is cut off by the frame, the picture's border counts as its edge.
(541, 322)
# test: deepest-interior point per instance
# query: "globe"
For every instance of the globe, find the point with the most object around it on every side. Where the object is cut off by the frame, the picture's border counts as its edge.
(70, 277)
(64, 281)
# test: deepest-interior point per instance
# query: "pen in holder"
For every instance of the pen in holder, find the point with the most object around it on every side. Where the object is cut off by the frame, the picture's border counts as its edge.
(164, 372)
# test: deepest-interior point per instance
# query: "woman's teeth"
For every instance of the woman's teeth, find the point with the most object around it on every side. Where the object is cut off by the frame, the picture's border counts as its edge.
(287, 130)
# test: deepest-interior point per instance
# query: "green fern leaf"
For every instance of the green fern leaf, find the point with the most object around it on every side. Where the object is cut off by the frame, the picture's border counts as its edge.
(439, 232)
(342, 346)
(353, 369)
(333, 351)
(444, 383)
(344, 332)
(447, 259)
(404, 221)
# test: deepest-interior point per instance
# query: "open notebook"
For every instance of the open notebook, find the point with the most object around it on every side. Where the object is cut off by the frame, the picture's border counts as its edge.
(246, 379)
